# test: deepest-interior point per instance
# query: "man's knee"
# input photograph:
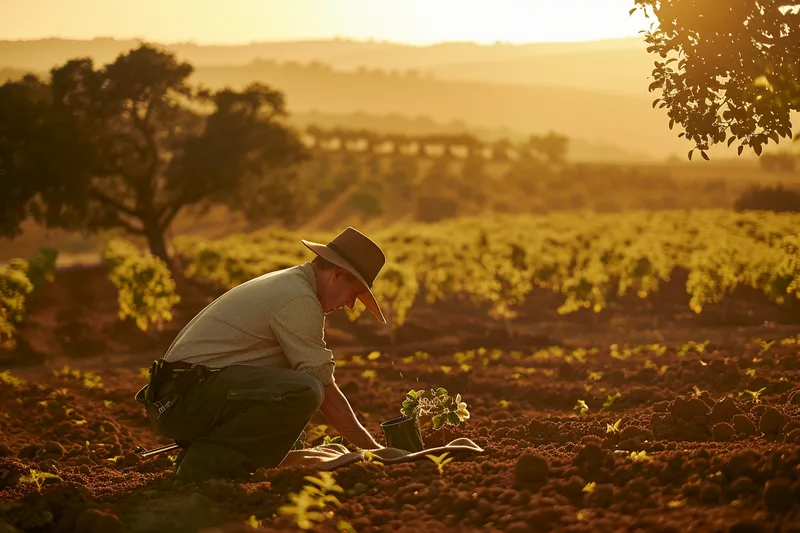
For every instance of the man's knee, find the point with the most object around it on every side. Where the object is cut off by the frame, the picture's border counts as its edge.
(313, 392)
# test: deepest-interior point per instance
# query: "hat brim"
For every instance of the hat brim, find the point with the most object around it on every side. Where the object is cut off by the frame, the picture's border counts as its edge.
(366, 297)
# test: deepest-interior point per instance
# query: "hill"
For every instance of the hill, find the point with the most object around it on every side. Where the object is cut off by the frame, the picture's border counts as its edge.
(339, 53)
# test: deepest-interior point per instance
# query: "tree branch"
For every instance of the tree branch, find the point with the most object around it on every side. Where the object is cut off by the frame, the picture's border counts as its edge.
(130, 228)
(113, 203)
(169, 213)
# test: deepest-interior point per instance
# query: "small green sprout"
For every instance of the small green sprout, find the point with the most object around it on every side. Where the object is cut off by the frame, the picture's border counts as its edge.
(332, 440)
(308, 506)
(372, 458)
(765, 346)
(581, 408)
(12, 381)
(595, 376)
(755, 395)
(504, 403)
(38, 478)
(640, 457)
(369, 374)
(589, 487)
(373, 356)
(613, 428)
(440, 461)
(116, 458)
(750, 372)
(611, 399)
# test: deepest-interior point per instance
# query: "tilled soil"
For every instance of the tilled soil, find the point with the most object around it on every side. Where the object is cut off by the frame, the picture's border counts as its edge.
(693, 449)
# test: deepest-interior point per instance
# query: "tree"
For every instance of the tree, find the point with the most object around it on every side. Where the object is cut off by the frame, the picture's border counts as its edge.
(728, 70)
(131, 144)
(552, 147)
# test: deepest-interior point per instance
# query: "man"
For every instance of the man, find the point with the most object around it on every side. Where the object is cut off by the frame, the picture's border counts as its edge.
(241, 381)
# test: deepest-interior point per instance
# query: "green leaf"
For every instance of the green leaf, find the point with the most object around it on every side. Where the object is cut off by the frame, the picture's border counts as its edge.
(690, 154)
(441, 392)
(453, 418)
(757, 148)
(741, 149)
(437, 422)
(705, 156)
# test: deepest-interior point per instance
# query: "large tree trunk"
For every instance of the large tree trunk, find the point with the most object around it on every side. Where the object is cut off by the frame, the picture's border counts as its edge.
(155, 239)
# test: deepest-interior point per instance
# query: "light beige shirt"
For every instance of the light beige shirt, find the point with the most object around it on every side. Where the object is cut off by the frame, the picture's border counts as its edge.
(274, 320)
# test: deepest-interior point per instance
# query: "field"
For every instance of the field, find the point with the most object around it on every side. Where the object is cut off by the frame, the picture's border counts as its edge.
(657, 392)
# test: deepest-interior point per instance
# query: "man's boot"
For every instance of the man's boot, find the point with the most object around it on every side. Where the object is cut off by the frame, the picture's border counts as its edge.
(207, 460)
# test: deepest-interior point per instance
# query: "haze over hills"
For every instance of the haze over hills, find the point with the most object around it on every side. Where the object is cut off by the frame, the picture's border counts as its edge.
(340, 54)
(595, 92)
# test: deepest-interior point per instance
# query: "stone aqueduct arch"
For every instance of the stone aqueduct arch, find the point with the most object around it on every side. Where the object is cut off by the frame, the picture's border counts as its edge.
(460, 146)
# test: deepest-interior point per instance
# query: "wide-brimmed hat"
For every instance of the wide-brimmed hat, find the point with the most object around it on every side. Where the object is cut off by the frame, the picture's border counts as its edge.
(356, 253)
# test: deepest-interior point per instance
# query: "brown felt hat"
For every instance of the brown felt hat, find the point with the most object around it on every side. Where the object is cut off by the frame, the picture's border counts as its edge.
(356, 253)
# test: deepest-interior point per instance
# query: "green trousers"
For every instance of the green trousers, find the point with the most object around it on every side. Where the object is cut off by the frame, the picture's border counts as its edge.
(239, 419)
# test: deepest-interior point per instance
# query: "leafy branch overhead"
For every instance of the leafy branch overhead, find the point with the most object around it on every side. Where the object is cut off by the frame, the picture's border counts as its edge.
(728, 71)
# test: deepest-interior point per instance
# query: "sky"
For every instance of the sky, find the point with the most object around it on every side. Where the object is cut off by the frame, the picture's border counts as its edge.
(243, 21)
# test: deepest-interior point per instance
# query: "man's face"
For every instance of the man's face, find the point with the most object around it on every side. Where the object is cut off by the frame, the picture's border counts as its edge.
(340, 290)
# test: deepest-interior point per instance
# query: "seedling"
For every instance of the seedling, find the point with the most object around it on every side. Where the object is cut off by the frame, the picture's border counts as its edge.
(750, 372)
(589, 487)
(373, 356)
(581, 408)
(12, 381)
(640, 457)
(369, 374)
(440, 407)
(418, 356)
(611, 399)
(504, 403)
(613, 428)
(755, 394)
(332, 440)
(38, 478)
(308, 506)
(765, 346)
(440, 461)
(372, 458)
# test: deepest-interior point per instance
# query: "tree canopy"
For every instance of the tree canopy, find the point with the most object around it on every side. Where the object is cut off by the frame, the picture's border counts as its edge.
(130, 144)
(727, 70)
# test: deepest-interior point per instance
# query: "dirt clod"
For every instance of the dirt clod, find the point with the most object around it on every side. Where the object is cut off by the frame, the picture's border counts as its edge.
(771, 422)
(743, 425)
(724, 410)
(531, 468)
(778, 496)
(722, 432)
(689, 409)
(97, 521)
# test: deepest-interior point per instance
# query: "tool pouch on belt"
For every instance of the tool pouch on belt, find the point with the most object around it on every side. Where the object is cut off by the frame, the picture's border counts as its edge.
(179, 375)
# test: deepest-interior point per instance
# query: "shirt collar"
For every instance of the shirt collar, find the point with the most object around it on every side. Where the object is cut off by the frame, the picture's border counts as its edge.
(308, 269)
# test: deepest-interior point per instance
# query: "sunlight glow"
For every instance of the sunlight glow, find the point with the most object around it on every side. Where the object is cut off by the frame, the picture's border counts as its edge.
(242, 21)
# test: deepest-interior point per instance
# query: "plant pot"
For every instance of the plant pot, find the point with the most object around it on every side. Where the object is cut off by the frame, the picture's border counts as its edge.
(441, 437)
(403, 432)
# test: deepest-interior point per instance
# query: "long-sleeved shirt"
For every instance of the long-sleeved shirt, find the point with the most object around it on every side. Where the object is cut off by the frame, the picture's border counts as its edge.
(273, 320)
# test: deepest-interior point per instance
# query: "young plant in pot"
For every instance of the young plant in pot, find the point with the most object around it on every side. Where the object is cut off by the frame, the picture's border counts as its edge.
(439, 407)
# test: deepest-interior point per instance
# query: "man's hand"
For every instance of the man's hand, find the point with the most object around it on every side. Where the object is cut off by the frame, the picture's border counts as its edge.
(340, 415)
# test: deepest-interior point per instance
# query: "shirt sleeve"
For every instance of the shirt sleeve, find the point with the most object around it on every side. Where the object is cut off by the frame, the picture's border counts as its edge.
(299, 326)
